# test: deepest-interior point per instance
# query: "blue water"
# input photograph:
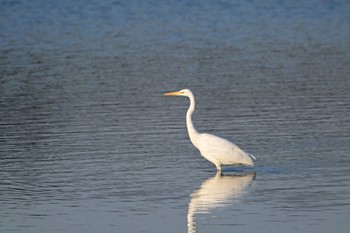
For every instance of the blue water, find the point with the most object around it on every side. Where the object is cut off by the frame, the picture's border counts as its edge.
(88, 143)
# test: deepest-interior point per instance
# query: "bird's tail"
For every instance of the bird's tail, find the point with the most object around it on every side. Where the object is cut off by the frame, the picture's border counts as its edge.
(252, 156)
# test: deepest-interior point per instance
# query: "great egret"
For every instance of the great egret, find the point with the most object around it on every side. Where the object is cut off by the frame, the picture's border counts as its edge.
(217, 150)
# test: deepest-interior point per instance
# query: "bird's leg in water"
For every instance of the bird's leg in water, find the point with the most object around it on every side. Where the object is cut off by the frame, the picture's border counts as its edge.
(218, 167)
(219, 173)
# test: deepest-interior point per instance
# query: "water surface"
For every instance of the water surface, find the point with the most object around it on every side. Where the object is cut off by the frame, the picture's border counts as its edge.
(89, 144)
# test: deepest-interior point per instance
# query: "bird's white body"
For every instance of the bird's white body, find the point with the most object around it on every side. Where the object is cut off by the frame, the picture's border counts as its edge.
(217, 150)
(220, 151)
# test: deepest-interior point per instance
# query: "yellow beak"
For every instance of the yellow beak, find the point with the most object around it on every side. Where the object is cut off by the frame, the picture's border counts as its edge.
(172, 93)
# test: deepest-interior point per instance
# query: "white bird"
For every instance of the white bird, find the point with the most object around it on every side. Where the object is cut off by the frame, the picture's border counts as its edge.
(217, 150)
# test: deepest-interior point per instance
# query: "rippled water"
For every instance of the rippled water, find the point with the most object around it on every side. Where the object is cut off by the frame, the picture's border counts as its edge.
(89, 144)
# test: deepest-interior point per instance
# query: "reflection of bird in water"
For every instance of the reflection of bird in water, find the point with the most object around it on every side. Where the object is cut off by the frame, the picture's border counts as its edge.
(216, 192)
(217, 150)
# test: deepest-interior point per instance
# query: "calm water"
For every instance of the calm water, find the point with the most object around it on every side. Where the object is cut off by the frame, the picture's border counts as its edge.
(89, 144)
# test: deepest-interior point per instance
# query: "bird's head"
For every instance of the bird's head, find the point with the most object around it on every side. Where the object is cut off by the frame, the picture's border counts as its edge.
(183, 92)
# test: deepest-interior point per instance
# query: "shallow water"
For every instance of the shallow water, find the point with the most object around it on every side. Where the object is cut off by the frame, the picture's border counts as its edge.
(89, 144)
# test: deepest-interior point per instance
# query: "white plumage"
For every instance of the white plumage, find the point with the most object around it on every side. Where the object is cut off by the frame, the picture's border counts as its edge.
(217, 150)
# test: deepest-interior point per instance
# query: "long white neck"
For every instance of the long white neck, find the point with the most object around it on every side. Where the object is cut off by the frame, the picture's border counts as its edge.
(192, 132)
